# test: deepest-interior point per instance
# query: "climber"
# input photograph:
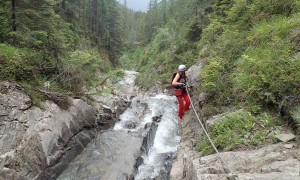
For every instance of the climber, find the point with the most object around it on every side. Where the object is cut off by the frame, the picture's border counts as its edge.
(179, 83)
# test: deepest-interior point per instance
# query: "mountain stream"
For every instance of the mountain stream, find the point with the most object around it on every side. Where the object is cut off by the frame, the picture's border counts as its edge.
(140, 146)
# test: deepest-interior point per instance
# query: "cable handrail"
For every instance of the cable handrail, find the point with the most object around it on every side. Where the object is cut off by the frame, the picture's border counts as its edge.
(213, 145)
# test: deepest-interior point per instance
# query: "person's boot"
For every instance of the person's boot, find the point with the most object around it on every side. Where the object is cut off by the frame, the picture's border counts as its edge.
(180, 119)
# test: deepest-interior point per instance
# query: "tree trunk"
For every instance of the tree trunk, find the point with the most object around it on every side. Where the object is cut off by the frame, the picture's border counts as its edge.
(13, 15)
(63, 7)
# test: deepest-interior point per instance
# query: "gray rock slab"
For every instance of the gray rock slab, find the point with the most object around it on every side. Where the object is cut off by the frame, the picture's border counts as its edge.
(193, 73)
(111, 156)
(39, 143)
(270, 162)
(285, 137)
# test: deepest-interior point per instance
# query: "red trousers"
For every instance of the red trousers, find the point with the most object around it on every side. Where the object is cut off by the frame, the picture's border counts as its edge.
(184, 103)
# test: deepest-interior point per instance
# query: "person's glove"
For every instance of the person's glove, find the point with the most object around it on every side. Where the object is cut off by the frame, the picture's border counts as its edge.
(183, 85)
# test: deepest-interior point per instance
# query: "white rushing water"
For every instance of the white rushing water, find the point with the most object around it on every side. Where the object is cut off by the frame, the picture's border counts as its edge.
(166, 140)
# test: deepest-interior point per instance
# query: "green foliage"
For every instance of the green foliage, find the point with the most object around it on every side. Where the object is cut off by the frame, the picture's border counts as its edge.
(212, 75)
(115, 75)
(272, 7)
(297, 6)
(252, 54)
(160, 59)
(220, 7)
(194, 31)
(212, 32)
(267, 71)
(245, 13)
(82, 68)
(163, 39)
(36, 96)
(225, 48)
(238, 129)
(230, 45)
(241, 14)
(17, 63)
(296, 116)
(66, 43)
(132, 59)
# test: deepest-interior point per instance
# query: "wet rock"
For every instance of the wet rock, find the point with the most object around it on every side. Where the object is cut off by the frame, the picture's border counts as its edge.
(130, 125)
(113, 155)
(149, 138)
(106, 109)
(49, 137)
(110, 156)
(156, 118)
(39, 144)
(165, 172)
(232, 177)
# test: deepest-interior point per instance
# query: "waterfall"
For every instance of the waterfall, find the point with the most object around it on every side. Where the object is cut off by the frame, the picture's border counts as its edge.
(140, 146)
(157, 161)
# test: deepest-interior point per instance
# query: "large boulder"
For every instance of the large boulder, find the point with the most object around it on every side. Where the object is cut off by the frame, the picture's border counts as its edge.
(193, 73)
(39, 143)
(270, 162)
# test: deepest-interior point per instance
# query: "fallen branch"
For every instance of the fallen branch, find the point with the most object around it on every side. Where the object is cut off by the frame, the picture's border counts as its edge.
(60, 99)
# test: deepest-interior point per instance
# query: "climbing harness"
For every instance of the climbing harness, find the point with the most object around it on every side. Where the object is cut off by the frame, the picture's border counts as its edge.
(231, 176)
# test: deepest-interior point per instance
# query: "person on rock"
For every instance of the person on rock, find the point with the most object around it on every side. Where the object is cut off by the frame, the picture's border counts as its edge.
(179, 83)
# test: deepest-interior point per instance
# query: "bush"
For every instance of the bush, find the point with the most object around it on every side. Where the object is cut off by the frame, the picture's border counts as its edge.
(267, 70)
(82, 68)
(240, 14)
(212, 32)
(237, 129)
(230, 45)
(160, 59)
(163, 39)
(296, 116)
(115, 75)
(195, 27)
(271, 7)
(18, 63)
(211, 75)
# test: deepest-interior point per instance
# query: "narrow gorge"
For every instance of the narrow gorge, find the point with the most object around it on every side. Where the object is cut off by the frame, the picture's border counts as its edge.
(126, 135)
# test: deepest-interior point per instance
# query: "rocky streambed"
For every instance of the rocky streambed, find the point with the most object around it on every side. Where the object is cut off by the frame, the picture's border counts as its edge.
(139, 147)
(122, 136)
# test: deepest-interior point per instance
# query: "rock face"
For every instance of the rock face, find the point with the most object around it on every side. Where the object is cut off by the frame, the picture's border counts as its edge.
(39, 143)
(193, 73)
(112, 155)
(189, 135)
(270, 162)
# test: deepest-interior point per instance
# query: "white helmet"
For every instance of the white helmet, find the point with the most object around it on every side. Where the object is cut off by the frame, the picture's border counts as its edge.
(181, 67)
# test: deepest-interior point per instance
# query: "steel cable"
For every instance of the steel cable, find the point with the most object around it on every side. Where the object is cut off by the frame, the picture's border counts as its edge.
(234, 177)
